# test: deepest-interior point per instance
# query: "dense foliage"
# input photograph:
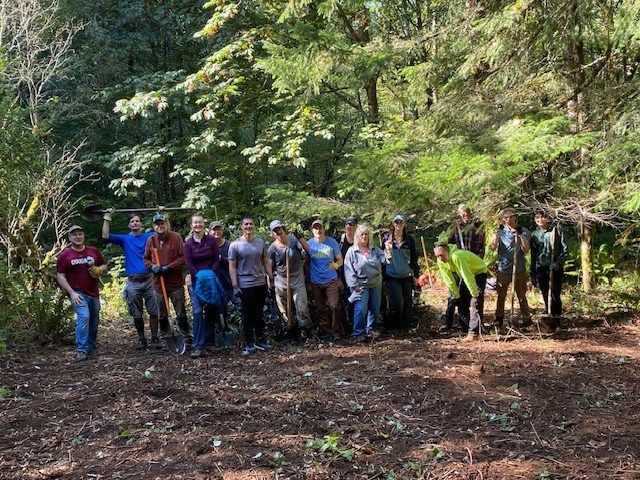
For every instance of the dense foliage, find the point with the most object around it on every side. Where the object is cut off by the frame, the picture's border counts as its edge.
(296, 108)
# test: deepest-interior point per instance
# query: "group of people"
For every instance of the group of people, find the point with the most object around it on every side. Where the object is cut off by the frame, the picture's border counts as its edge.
(464, 271)
(344, 275)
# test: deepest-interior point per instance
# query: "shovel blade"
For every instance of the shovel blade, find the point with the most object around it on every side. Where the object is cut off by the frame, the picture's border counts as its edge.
(92, 213)
(225, 339)
(176, 345)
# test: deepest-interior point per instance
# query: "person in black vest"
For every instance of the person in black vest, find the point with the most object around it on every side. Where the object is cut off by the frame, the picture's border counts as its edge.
(345, 241)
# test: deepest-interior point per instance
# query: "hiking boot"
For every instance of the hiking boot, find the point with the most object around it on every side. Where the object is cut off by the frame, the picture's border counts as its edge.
(359, 338)
(197, 353)
(155, 342)
(471, 337)
(142, 344)
(81, 356)
(372, 335)
(336, 337)
(248, 350)
(262, 346)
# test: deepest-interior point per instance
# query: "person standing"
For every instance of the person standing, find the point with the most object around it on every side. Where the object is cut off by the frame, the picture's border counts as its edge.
(138, 288)
(465, 275)
(216, 231)
(512, 243)
(345, 241)
(201, 253)
(402, 274)
(548, 254)
(326, 287)
(467, 234)
(288, 246)
(78, 269)
(170, 250)
(248, 268)
(363, 270)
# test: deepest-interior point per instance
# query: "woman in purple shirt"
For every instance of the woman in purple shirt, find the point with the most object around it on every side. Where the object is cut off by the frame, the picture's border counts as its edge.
(201, 253)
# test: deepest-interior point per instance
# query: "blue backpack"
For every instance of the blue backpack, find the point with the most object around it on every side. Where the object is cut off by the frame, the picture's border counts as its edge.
(209, 288)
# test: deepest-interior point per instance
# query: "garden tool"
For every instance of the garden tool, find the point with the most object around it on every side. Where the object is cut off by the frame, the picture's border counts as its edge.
(94, 212)
(175, 343)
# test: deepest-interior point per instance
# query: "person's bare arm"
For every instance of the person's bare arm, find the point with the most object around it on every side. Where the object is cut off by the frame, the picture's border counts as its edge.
(73, 295)
(233, 274)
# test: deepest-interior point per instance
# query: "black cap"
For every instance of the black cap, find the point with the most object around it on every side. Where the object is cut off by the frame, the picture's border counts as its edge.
(350, 219)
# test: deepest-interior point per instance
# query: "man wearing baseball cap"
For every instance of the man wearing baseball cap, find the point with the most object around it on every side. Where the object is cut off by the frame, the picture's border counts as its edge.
(288, 246)
(78, 269)
(170, 248)
(326, 287)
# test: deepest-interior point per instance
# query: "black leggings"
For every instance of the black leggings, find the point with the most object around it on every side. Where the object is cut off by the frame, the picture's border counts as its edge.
(252, 312)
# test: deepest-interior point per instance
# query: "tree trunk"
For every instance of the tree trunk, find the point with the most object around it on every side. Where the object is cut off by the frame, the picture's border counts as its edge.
(586, 255)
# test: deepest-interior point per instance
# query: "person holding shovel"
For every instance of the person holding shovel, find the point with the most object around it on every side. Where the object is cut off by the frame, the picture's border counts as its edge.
(402, 274)
(455, 263)
(78, 269)
(285, 254)
(168, 265)
(249, 268)
(201, 253)
(512, 243)
(548, 254)
(138, 290)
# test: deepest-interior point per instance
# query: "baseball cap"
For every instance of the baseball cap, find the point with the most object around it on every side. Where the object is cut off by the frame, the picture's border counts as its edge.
(215, 224)
(398, 218)
(159, 217)
(275, 224)
(350, 219)
(317, 221)
(74, 228)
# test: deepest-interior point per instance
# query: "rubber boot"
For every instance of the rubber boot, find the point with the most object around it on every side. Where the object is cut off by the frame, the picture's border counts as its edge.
(153, 326)
(142, 341)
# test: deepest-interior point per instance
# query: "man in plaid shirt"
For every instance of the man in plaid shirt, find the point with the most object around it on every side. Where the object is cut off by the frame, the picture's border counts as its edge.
(468, 234)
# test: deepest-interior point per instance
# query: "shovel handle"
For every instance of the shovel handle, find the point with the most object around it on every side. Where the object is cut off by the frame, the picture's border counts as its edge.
(163, 286)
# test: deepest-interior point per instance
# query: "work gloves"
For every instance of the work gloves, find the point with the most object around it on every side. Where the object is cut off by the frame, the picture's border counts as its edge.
(107, 214)
(334, 266)
(236, 298)
(96, 272)
(160, 269)
(355, 296)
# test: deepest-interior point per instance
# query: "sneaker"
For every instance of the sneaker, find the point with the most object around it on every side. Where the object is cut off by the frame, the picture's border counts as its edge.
(336, 337)
(262, 345)
(197, 353)
(81, 356)
(359, 338)
(142, 344)
(248, 350)
(471, 337)
(155, 342)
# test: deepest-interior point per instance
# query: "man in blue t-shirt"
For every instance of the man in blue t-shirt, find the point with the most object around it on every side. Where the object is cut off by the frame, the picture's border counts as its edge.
(326, 287)
(138, 288)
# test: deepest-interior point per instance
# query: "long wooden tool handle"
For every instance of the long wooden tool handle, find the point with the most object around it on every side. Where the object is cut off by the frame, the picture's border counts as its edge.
(156, 259)
(426, 261)
(288, 268)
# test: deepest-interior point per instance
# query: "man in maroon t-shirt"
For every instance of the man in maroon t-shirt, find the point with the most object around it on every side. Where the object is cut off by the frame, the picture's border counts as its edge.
(79, 267)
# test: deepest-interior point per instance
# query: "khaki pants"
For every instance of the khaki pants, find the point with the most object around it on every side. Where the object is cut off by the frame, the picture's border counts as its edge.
(328, 300)
(504, 280)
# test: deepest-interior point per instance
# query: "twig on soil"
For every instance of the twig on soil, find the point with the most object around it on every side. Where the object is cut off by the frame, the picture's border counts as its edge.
(536, 434)
(470, 456)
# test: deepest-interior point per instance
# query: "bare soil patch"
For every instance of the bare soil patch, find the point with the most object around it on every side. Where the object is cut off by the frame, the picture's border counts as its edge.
(566, 406)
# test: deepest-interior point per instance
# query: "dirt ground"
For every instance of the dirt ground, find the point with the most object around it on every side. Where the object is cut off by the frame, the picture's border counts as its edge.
(566, 406)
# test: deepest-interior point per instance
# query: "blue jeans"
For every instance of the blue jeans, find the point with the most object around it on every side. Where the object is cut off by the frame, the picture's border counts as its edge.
(87, 320)
(204, 321)
(365, 310)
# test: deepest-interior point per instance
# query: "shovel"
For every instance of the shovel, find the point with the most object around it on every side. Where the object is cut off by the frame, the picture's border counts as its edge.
(226, 338)
(94, 212)
(175, 343)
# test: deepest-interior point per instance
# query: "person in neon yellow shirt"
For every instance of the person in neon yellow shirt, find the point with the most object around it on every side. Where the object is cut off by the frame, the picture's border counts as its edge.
(465, 275)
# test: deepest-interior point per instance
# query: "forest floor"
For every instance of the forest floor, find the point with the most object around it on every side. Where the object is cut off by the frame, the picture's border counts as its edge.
(566, 406)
